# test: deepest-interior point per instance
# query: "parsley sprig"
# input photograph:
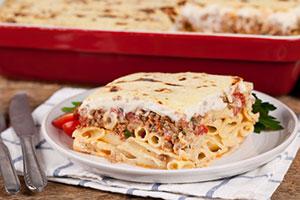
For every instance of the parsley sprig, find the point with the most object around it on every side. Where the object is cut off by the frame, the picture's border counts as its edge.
(71, 109)
(127, 133)
(266, 121)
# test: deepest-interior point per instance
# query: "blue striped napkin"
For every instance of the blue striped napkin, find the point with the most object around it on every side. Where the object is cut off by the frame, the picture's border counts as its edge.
(257, 184)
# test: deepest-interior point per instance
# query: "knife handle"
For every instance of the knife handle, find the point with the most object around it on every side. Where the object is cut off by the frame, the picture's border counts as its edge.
(9, 174)
(34, 176)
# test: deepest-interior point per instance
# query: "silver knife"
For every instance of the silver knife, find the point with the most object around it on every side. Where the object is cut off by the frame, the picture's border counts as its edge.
(22, 122)
(8, 171)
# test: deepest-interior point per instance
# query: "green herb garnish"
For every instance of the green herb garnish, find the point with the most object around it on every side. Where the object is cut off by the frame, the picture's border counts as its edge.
(71, 109)
(76, 103)
(266, 121)
(127, 133)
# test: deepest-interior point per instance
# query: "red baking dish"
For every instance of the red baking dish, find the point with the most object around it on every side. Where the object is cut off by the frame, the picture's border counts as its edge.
(95, 56)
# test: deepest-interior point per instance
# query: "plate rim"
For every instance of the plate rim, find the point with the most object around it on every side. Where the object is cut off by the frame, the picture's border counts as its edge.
(266, 156)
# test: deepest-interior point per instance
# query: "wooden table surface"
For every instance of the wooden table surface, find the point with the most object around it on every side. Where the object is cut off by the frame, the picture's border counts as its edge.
(40, 91)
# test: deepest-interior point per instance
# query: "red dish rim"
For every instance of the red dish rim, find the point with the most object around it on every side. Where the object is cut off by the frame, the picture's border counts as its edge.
(177, 33)
(186, 45)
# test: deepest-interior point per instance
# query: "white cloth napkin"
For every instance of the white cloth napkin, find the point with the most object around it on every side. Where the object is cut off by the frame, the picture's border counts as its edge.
(257, 184)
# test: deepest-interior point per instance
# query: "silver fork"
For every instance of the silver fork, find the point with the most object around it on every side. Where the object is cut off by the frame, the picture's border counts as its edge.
(9, 174)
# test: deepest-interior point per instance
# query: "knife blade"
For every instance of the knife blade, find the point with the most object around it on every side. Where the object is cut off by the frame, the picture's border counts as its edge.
(8, 171)
(23, 124)
(20, 116)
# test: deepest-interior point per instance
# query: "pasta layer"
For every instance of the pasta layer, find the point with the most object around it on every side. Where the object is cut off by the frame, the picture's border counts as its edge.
(153, 149)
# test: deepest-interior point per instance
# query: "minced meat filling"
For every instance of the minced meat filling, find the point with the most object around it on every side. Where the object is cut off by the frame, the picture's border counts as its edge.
(162, 125)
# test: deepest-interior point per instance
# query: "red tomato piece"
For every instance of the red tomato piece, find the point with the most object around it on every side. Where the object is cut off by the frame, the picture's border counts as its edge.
(167, 136)
(132, 117)
(201, 130)
(240, 97)
(61, 120)
(69, 127)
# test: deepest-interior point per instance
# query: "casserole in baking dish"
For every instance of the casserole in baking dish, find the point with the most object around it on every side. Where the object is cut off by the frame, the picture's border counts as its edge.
(73, 48)
(271, 17)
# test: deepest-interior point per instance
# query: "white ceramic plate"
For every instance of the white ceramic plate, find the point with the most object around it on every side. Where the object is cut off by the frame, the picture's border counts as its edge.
(256, 150)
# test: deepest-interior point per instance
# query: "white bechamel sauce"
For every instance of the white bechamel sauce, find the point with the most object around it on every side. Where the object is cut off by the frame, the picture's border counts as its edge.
(287, 20)
(211, 17)
(207, 19)
(248, 12)
(211, 103)
(128, 104)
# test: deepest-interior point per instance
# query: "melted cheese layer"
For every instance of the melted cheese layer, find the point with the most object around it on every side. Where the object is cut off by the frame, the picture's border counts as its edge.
(178, 96)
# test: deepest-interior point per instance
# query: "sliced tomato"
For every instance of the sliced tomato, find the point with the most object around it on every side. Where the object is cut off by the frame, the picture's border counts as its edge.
(69, 127)
(61, 120)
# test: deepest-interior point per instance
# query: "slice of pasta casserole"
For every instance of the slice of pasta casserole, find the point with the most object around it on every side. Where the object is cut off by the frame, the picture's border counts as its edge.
(166, 121)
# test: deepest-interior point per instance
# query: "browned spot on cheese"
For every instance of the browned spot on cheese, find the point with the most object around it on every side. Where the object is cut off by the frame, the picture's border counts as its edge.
(11, 20)
(202, 86)
(77, 1)
(140, 19)
(53, 15)
(159, 102)
(172, 84)
(163, 90)
(181, 3)
(148, 10)
(80, 15)
(108, 16)
(19, 14)
(236, 79)
(114, 89)
(169, 10)
(146, 79)
(107, 10)
(121, 23)
(182, 79)
(139, 79)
